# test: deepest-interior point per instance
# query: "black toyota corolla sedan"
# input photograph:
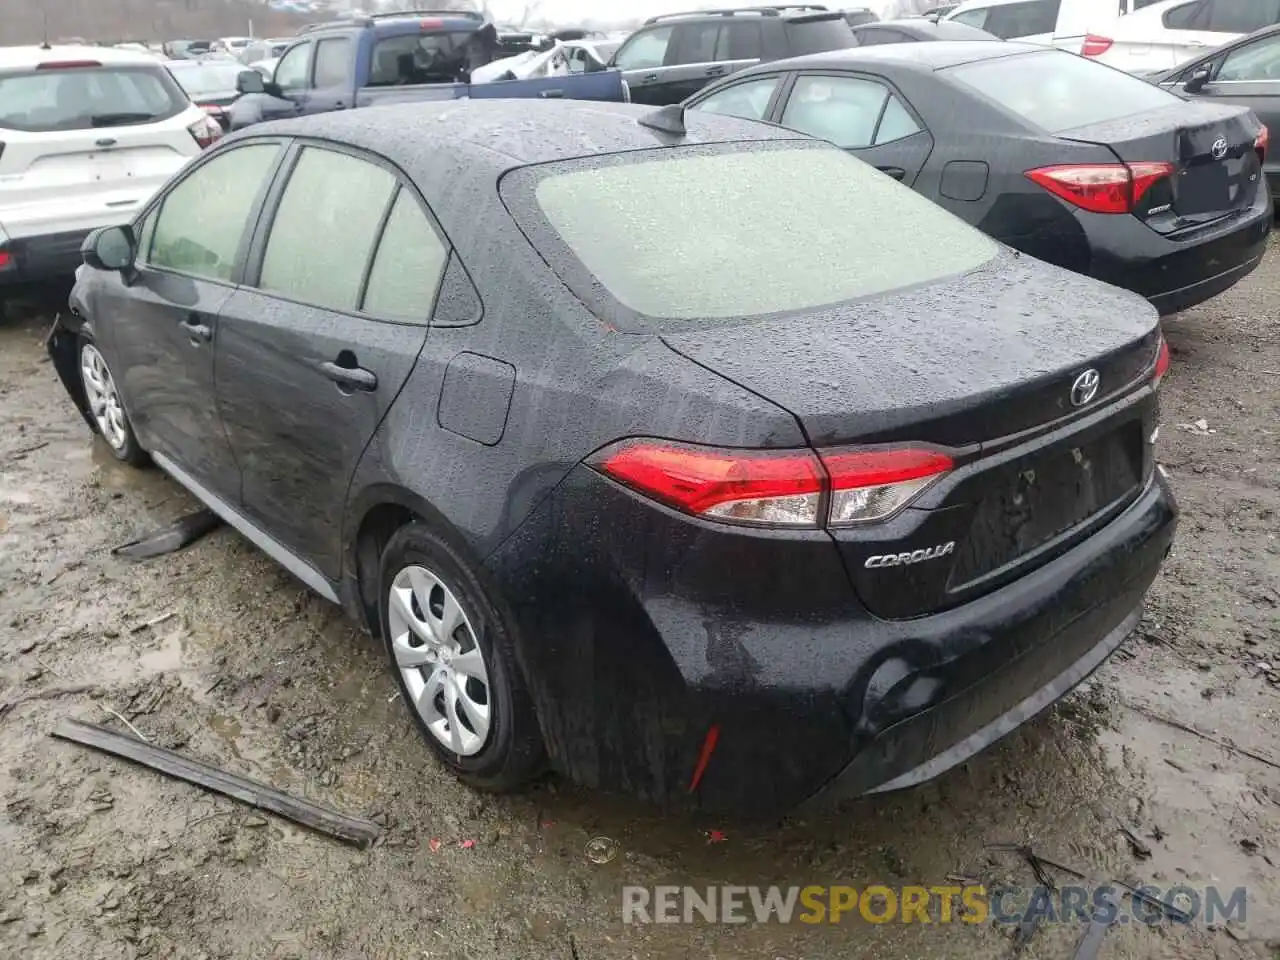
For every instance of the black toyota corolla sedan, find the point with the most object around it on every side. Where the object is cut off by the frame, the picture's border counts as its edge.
(702, 460)
(1057, 156)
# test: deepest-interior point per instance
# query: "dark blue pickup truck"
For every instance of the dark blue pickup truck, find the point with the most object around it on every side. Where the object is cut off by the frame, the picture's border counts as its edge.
(394, 58)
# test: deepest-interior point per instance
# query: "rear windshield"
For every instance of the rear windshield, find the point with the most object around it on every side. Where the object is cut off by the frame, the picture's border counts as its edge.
(436, 57)
(40, 101)
(207, 77)
(819, 36)
(1057, 91)
(701, 235)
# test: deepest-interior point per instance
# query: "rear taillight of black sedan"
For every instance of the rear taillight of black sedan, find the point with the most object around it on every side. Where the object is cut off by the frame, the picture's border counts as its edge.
(1102, 187)
(789, 489)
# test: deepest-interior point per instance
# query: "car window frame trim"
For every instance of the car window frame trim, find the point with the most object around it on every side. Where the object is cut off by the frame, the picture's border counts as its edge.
(251, 275)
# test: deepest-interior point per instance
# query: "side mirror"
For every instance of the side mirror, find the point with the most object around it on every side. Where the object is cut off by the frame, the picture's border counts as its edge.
(250, 81)
(1195, 83)
(108, 248)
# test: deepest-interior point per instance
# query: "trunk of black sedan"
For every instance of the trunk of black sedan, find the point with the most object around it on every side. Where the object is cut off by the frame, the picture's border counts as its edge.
(995, 380)
(1201, 160)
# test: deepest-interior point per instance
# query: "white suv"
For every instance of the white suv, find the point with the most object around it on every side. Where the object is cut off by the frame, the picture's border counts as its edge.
(1062, 23)
(87, 135)
(1165, 34)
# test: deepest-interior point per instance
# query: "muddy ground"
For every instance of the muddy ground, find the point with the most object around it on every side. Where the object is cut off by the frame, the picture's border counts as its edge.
(100, 859)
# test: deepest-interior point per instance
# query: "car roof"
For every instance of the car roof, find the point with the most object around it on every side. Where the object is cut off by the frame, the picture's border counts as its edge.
(967, 5)
(942, 29)
(925, 56)
(17, 58)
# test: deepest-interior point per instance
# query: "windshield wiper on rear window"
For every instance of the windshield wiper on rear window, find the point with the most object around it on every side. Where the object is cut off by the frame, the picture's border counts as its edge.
(119, 119)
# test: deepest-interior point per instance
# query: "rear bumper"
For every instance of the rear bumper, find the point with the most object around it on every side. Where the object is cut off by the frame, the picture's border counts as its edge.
(38, 259)
(640, 631)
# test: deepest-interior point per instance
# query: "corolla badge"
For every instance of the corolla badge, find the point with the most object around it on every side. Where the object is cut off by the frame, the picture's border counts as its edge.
(910, 557)
(1219, 148)
(1085, 388)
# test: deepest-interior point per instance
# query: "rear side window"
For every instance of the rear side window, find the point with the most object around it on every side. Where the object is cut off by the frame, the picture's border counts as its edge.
(973, 18)
(694, 43)
(705, 233)
(408, 265)
(1243, 16)
(317, 251)
(202, 220)
(846, 111)
(41, 101)
(333, 58)
(739, 40)
(1055, 90)
(819, 35)
(1023, 19)
(438, 57)
(1188, 16)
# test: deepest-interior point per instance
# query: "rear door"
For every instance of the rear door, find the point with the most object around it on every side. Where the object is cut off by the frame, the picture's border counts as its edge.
(317, 343)
(84, 145)
(863, 114)
(644, 62)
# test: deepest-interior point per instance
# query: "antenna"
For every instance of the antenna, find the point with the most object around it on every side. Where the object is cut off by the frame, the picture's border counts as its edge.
(44, 43)
(667, 120)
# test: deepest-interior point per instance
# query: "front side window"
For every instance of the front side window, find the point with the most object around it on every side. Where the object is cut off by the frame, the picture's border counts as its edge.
(203, 219)
(1056, 91)
(325, 228)
(408, 265)
(1027, 19)
(844, 110)
(749, 100)
(719, 233)
(291, 71)
(333, 59)
(1259, 60)
(648, 48)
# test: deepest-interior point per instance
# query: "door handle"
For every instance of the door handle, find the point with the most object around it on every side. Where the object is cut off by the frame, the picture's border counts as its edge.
(715, 71)
(649, 78)
(198, 331)
(551, 94)
(352, 378)
(896, 172)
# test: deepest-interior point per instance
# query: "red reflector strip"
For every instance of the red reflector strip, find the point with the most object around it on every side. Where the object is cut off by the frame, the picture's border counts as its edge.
(1163, 361)
(704, 756)
(431, 24)
(1262, 141)
(67, 64)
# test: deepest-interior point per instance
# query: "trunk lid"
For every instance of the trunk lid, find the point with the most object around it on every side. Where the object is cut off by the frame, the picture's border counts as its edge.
(984, 364)
(1216, 169)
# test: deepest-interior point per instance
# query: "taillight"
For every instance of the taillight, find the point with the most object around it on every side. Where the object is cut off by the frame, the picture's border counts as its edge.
(5, 259)
(1262, 141)
(775, 488)
(431, 25)
(1095, 46)
(1101, 187)
(1163, 362)
(206, 130)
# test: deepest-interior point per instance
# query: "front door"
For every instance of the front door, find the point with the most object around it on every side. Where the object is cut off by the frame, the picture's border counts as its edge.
(864, 116)
(316, 345)
(643, 60)
(332, 84)
(163, 327)
(292, 79)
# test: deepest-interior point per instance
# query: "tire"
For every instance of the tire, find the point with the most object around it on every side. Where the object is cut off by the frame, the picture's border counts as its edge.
(433, 586)
(106, 410)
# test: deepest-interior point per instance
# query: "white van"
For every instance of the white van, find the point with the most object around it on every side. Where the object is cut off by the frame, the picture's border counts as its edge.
(1062, 23)
(1165, 34)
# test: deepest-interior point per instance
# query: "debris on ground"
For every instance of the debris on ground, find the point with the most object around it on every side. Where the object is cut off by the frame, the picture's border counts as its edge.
(181, 533)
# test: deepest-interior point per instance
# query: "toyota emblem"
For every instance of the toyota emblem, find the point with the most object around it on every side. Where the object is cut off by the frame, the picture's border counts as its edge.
(1219, 148)
(1085, 388)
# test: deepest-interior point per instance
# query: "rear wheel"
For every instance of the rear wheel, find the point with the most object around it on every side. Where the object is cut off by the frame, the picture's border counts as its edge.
(105, 407)
(453, 660)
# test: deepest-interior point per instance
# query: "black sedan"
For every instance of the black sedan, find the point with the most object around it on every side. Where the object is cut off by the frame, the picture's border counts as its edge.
(1246, 73)
(210, 83)
(820, 497)
(1060, 157)
(916, 30)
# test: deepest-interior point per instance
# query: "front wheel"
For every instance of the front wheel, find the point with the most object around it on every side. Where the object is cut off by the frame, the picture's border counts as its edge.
(453, 660)
(105, 407)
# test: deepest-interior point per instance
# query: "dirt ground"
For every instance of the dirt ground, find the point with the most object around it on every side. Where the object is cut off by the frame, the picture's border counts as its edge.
(248, 671)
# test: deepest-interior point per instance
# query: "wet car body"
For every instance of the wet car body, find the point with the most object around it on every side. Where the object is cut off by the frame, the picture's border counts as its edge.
(669, 655)
(1198, 224)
